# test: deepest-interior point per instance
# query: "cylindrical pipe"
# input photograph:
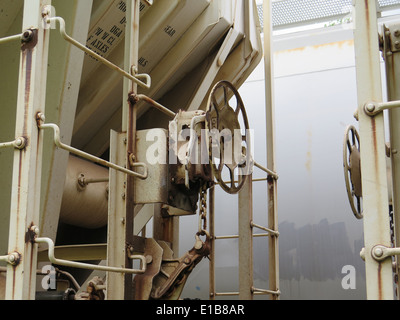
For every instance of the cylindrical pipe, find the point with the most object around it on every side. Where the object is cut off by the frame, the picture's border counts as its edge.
(85, 206)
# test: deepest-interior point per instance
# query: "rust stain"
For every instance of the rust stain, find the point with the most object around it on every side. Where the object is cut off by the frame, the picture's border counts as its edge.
(339, 44)
(375, 142)
(380, 281)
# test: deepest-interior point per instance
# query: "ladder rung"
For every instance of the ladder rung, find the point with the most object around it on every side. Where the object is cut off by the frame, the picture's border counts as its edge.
(264, 291)
(256, 235)
(226, 237)
(219, 294)
(273, 232)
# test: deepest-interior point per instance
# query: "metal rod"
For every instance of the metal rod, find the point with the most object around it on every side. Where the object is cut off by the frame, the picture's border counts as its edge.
(380, 253)
(70, 277)
(211, 194)
(90, 157)
(254, 180)
(11, 38)
(18, 143)
(264, 291)
(272, 232)
(373, 108)
(85, 181)
(273, 245)
(270, 172)
(135, 79)
(131, 57)
(87, 266)
(5, 258)
(256, 235)
(156, 105)
(218, 294)
(226, 237)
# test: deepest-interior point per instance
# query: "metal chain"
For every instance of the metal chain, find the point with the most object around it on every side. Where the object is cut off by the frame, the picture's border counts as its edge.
(203, 211)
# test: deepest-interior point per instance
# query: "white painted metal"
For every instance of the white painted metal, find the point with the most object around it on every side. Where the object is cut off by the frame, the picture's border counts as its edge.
(130, 75)
(85, 205)
(373, 162)
(64, 70)
(392, 64)
(26, 182)
(246, 241)
(88, 266)
(116, 248)
(79, 153)
(273, 245)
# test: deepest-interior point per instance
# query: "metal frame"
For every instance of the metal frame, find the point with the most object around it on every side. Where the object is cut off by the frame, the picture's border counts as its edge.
(26, 188)
(373, 162)
(391, 57)
(246, 224)
(25, 203)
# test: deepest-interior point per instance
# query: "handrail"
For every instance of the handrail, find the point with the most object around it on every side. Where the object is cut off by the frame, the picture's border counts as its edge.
(156, 105)
(270, 172)
(18, 143)
(11, 38)
(90, 157)
(87, 266)
(77, 44)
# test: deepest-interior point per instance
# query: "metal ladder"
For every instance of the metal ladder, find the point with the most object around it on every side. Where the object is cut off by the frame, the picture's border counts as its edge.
(246, 224)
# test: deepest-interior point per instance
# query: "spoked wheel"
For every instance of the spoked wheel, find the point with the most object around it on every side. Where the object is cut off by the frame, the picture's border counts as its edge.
(228, 140)
(352, 170)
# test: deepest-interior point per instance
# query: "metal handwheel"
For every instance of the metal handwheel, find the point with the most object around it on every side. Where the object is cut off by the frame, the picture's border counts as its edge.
(352, 170)
(224, 133)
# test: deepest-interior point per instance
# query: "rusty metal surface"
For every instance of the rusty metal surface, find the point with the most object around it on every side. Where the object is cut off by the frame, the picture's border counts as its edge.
(25, 202)
(143, 284)
(373, 162)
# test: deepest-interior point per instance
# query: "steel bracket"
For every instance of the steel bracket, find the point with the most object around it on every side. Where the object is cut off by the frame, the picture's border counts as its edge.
(373, 108)
(380, 252)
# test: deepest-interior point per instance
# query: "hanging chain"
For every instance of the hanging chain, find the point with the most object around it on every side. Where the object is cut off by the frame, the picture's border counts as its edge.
(203, 211)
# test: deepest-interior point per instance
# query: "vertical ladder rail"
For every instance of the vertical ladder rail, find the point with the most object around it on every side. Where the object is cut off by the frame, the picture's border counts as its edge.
(245, 237)
(273, 247)
(26, 181)
(392, 63)
(246, 240)
(373, 163)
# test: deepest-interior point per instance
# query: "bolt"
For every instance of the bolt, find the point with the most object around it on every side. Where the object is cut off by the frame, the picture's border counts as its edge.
(378, 252)
(14, 258)
(20, 143)
(40, 117)
(35, 230)
(27, 36)
(396, 33)
(370, 107)
(397, 44)
(149, 259)
(46, 11)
